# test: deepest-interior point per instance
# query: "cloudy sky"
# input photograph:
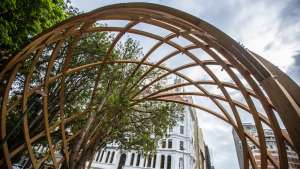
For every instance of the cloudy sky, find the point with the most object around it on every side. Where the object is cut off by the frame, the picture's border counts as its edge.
(268, 27)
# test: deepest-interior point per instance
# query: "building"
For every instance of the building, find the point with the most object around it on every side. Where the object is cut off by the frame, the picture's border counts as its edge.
(208, 161)
(183, 148)
(293, 159)
(201, 150)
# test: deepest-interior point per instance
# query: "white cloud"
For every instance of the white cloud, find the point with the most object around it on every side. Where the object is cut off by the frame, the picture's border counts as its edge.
(260, 30)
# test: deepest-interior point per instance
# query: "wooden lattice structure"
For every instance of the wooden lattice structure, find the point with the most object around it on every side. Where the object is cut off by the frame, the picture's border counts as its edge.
(275, 91)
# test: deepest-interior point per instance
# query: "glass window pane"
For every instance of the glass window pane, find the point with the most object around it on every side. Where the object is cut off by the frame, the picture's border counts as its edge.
(138, 160)
(98, 155)
(145, 159)
(107, 157)
(181, 130)
(102, 156)
(112, 157)
(163, 144)
(154, 161)
(170, 143)
(181, 145)
(169, 162)
(132, 159)
(149, 161)
(162, 162)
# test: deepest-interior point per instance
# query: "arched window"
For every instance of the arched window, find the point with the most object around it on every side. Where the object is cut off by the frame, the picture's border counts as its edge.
(149, 160)
(138, 160)
(112, 157)
(154, 161)
(107, 156)
(101, 157)
(162, 162)
(169, 162)
(181, 164)
(132, 159)
(122, 161)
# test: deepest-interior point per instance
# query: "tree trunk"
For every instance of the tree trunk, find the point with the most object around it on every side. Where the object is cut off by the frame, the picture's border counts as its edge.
(75, 155)
(90, 162)
(87, 155)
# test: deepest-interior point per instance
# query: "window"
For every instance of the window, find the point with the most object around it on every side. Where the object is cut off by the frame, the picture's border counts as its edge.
(181, 164)
(98, 155)
(154, 161)
(145, 159)
(107, 156)
(112, 157)
(149, 161)
(138, 160)
(122, 161)
(169, 162)
(101, 156)
(181, 130)
(181, 146)
(163, 144)
(132, 159)
(162, 162)
(182, 118)
(170, 143)
(171, 129)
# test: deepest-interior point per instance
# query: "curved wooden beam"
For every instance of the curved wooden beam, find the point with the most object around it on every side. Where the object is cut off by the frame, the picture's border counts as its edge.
(276, 93)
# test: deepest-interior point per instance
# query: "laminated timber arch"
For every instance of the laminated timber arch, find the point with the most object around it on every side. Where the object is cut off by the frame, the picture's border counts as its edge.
(275, 91)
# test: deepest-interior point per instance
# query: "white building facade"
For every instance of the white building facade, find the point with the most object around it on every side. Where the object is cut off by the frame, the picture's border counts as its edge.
(181, 149)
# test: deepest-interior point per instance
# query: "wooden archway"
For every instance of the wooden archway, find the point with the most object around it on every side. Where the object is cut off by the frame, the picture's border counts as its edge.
(275, 91)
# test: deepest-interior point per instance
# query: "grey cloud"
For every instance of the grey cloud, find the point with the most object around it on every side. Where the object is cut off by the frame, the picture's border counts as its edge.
(291, 12)
(268, 46)
(294, 70)
(289, 21)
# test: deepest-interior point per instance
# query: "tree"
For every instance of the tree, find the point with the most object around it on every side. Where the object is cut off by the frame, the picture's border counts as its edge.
(21, 20)
(101, 93)
(113, 116)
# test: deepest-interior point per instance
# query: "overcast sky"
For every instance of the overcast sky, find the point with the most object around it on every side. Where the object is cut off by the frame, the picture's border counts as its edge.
(270, 28)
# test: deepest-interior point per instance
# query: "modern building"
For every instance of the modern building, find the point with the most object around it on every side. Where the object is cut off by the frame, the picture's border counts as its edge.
(182, 148)
(293, 158)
